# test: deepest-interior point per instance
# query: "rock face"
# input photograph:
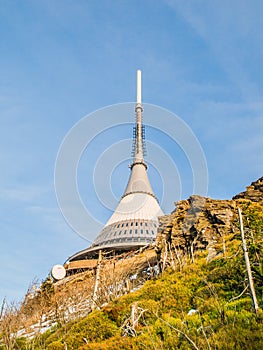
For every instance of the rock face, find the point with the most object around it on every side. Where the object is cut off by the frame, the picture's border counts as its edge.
(254, 192)
(198, 223)
(202, 224)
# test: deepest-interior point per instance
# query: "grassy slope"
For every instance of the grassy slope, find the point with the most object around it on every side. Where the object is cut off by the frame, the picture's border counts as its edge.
(225, 318)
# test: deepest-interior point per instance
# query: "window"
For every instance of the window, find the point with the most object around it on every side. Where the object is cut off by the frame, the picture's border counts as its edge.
(154, 225)
(120, 232)
(152, 232)
(118, 226)
(130, 232)
(146, 224)
(147, 232)
(122, 225)
(141, 223)
(136, 231)
(136, 223)
(142, 232)
(127, 224)
(125, 231)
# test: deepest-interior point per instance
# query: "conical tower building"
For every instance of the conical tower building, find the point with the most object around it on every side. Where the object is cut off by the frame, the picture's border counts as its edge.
(134, 223)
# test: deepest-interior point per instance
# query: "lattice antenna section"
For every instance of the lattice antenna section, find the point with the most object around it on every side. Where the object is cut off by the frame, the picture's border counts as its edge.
(134, 142)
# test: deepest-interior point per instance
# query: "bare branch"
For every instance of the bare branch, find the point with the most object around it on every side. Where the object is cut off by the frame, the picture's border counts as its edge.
(240, 295)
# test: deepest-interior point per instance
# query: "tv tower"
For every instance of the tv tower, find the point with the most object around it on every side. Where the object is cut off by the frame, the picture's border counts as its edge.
(134, 222)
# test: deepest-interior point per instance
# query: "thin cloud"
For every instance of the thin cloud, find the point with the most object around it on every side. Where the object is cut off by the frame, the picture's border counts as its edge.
(230, 30)
(24, 193)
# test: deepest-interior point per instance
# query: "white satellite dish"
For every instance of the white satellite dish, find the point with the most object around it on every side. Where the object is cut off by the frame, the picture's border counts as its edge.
(58, 272)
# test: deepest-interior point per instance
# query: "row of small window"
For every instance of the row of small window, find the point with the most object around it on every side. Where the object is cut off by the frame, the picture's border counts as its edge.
(130, 239)
(109, 231)
(125, 232)
(135, 224)
(135, 231)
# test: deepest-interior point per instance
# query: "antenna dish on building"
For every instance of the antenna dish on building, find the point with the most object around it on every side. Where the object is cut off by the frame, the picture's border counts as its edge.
(58, 272)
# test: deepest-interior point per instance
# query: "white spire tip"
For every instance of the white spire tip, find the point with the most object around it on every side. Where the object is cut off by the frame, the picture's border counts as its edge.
(139, 86)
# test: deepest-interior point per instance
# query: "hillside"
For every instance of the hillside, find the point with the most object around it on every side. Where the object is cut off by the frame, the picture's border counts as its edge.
(189, 291)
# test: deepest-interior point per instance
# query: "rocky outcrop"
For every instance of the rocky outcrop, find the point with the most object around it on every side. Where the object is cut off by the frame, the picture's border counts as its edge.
(254, 192)
(198, 223)
(202, 224)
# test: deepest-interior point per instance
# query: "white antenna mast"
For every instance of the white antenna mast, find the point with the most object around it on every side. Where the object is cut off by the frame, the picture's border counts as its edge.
(139, 86)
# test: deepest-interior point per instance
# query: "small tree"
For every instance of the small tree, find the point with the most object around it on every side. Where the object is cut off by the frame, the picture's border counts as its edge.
(9, 324)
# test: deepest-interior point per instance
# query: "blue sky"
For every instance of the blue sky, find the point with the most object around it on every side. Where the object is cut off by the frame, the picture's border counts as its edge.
(63, 60)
